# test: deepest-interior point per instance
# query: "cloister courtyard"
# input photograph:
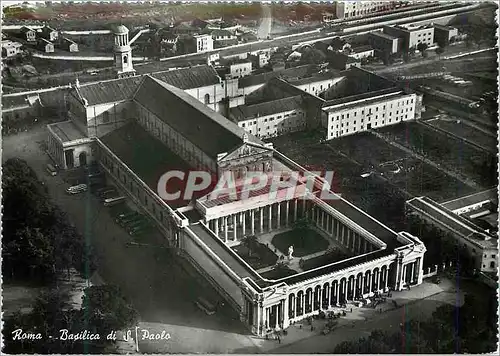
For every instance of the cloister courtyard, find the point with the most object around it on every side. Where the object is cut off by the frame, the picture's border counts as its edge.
(268, 253)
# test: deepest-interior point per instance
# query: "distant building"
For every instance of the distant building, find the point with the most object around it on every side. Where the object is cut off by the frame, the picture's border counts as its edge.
(351, 9)
(68, 45)
(260, 59)
(444, 34)
(221, 35)
(11, 49)
(27, 34)
(480, 243)
(247, 37)
(342, 61)
(328, 17)
(18, 107)
(363, 101)
(197, 43)
(412, 36)
(238, 68)
(384, 43)
(45, 46)
(49, 34)
(361, 52)
(275, 109)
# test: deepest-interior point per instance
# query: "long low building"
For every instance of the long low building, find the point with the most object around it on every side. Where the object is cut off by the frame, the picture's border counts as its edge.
(361, 256)
(481, 244)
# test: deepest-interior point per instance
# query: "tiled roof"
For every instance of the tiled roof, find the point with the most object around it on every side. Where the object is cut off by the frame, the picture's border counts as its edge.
(205, 128)
(122, 89)
(369, 97)
(296, 72)
(471, 199)
(189, 78)
(109, 91)
(362, 49)
(244, 112)
(67, 131)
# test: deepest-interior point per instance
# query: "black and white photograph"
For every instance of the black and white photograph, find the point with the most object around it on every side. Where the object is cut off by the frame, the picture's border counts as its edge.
(231, 177)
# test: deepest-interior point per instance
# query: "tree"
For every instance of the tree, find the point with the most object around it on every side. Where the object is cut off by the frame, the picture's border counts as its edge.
(38, 239)
(439, 50)
(422, 47)
(106, 309)
(250, 242)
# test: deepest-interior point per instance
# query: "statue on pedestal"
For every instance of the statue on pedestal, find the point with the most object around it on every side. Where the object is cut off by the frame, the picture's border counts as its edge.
(290, 252)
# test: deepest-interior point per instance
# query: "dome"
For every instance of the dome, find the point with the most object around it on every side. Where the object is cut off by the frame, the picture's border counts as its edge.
(120, 30)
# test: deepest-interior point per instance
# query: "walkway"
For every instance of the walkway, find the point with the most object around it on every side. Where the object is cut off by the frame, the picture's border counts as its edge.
(457, 176)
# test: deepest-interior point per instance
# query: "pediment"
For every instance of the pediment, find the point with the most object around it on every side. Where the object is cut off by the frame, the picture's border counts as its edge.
(244, 150)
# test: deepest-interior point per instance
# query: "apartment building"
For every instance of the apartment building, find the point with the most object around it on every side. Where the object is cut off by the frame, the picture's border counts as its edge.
(272, 118)
(204, 43)
(443, 34)
(11, 49)
(384, 43)
(351, 9)
(361, 52)
(347, 116)
(412, 36)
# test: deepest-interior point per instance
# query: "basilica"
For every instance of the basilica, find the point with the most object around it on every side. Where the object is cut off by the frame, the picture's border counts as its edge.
(139, 127)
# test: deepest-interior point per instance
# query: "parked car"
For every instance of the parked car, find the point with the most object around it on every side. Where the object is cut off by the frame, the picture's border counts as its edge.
(51, 170)
(76, 189)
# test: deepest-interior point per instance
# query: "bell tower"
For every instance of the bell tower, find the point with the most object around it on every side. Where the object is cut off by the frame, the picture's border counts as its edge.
(123, 53)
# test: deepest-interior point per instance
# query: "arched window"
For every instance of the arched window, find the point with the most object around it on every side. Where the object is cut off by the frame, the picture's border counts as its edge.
(492, 264)
(125, 59)
(207, 99)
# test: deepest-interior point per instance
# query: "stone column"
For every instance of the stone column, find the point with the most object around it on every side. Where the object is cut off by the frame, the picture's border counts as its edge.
(243, 221)
(279, 215)
(234, 227)
(285, 312)
(252, 221)
(323, 220)
(261, 210)
(295, 210)
(270, 218)
(216, 227)
(304, 207)
(287, 213)
(370, 283)
(225, 228)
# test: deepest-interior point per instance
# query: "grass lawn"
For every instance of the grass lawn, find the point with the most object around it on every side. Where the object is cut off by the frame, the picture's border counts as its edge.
(304, 241)
(261, 256)
(325, 259)
(278, 273)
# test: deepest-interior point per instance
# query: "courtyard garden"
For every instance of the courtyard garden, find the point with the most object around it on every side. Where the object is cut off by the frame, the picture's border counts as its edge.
(254, 253)
(280, 271)
(327, 258)
(305, 241)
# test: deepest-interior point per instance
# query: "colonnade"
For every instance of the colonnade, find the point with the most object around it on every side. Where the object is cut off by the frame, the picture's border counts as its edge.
(324, 296)
(257, 221)
(346, 236)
